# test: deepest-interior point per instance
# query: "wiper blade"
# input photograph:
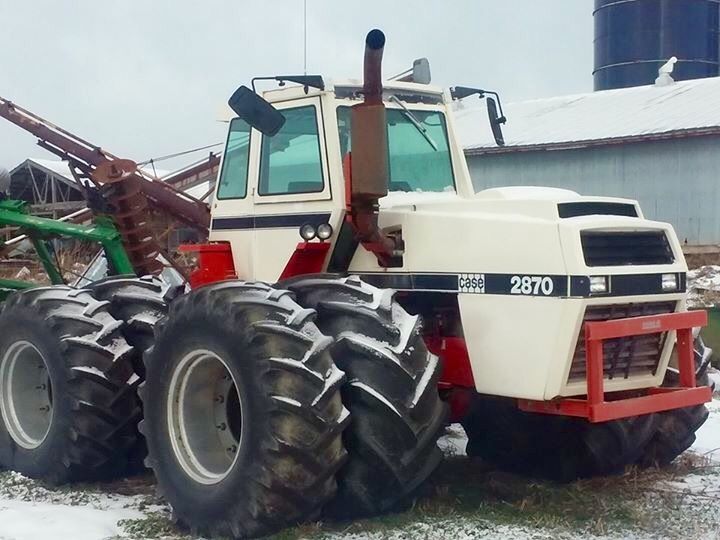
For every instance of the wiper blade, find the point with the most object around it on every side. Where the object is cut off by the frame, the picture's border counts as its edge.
(415, 122)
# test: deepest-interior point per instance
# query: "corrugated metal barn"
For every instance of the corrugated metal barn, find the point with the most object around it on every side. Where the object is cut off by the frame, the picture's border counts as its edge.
(659, 144)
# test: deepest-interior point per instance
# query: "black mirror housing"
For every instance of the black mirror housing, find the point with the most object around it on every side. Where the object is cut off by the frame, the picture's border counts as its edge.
(496, 121)
(257, 112)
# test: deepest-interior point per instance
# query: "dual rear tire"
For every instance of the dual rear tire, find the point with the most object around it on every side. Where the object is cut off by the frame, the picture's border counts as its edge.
(246, 413)
(68, 407)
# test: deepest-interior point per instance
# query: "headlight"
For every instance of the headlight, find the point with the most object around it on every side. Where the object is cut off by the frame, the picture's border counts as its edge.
(308, 232)
(324, 231)
(598, 284)
(669, 282)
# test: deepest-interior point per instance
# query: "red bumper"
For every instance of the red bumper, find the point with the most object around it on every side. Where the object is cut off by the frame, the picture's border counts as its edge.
(596, 408)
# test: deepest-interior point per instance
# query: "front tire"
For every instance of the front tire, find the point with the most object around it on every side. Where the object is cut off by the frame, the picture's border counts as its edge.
(69, 409)
(391, 392)
(243, 415)
(552, 447)
(676, 429)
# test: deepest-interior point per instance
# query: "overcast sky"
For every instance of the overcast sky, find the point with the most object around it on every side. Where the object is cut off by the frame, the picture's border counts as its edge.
(147, 78)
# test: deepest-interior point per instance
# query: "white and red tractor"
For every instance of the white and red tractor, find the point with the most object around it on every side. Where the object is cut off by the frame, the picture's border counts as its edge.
(356, 295)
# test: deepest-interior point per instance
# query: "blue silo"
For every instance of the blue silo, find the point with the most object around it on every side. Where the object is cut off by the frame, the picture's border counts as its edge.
(633, 38)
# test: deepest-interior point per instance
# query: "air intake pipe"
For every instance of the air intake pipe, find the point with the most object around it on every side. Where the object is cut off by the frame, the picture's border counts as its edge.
(369, 176)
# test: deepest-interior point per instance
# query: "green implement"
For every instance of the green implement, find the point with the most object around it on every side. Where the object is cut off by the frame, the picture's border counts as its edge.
(41, 230)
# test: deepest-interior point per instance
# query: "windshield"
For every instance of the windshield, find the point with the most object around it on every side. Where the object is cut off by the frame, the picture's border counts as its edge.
(416, 164)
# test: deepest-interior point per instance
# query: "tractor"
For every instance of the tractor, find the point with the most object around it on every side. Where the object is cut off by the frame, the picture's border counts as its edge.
(354, 296)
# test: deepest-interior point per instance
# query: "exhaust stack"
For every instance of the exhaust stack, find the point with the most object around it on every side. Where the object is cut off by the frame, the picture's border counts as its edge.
(369, 161)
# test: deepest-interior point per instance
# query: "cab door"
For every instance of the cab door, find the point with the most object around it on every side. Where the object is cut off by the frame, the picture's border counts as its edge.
(292, 186)
(232, 203)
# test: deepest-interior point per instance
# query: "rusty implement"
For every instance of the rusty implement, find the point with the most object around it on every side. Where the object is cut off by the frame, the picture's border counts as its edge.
(87, 156)
(123, 192)
(128, 190)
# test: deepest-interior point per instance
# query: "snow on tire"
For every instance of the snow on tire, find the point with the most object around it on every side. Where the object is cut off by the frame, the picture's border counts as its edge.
(69, 409)
(391, 392)
(140, 302)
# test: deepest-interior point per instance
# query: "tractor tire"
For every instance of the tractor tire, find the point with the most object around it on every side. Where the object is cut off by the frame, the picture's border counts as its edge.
(391, 391)
(552, 447)
(243, 413)
(140, 303)
(676, 429)
(69, 409)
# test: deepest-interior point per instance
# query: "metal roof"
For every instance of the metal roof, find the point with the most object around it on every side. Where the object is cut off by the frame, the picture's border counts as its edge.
(680, 109)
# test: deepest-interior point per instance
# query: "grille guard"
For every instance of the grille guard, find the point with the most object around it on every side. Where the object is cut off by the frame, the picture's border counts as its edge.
(596, 408)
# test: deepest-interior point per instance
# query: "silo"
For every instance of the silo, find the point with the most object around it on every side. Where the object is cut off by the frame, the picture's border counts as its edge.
(633, 38)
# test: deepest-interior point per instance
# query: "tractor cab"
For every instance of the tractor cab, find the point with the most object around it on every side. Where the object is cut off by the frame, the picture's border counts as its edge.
(271, 185)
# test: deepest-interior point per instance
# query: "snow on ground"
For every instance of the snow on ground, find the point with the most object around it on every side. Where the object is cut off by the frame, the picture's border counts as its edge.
(708, 436)
(30, 511)
(40, 521)
(454, 441)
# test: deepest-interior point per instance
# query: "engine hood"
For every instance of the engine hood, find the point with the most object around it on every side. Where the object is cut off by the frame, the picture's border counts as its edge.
(528, 201)
(516, 230)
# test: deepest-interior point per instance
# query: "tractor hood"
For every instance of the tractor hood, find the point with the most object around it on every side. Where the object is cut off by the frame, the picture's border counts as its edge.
(524, 230)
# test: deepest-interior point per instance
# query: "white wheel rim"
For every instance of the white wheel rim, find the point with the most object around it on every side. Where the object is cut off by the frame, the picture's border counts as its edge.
(204, 417)
(25, 394)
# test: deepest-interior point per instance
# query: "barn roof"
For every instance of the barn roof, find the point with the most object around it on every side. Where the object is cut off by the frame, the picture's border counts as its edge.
(680, 109)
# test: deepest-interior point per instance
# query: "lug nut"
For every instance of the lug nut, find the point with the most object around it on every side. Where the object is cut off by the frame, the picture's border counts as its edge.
(222, 426)
(232, 449)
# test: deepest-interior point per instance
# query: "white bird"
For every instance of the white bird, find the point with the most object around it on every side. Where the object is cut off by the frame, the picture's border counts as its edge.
(4, 181)
(664, 78)
(668, 66)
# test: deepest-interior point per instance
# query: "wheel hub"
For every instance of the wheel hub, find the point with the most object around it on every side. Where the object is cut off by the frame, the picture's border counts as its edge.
(204, 417)
(25, 394)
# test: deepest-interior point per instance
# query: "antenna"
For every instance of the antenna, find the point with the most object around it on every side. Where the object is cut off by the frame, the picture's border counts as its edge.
(304, 37)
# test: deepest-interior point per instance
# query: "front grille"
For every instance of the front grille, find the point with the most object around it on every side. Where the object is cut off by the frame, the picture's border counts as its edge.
(626, 248)
(626, 356)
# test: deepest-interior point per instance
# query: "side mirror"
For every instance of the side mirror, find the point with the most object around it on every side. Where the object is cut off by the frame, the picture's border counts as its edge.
(418, 73)
(256, 111)
(421, 71)
(496, 121)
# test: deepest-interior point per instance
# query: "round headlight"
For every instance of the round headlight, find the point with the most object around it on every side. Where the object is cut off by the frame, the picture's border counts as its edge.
(308, 232)
(324, 231)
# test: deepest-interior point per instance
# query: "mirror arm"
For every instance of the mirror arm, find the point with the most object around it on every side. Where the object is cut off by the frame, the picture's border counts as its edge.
(461, 92)
(308, 81)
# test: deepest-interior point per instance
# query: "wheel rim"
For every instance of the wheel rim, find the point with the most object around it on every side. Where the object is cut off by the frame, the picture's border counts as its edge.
(204, 417)
(25, 394)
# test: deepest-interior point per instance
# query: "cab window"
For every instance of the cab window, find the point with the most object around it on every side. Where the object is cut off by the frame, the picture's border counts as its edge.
(419, 157)
(234, 174)
(290, 161)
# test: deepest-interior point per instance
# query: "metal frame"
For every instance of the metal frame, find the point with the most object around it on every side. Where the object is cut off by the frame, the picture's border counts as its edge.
(596, 408)
(49, 192)
(40, 230)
